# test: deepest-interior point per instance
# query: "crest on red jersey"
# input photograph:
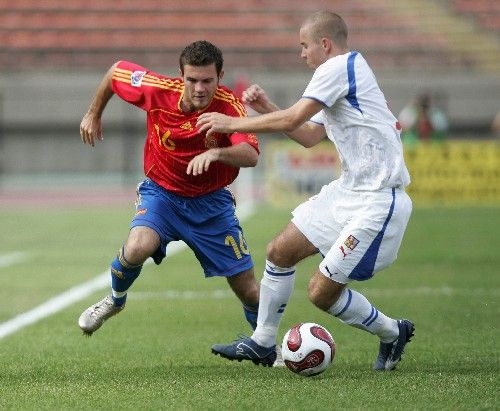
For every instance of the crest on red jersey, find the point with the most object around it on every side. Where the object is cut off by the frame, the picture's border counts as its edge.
(211, 142)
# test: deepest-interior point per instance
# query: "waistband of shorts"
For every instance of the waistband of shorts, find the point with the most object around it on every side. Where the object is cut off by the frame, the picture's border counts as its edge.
(181, 197)
(338, 186)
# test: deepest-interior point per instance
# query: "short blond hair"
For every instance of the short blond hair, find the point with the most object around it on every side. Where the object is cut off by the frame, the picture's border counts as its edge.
(327, 24)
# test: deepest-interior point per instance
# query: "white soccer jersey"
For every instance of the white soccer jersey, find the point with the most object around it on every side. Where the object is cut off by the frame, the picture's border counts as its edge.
(358, 121)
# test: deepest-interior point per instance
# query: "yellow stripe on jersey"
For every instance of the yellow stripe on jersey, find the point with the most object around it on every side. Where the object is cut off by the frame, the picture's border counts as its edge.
(172, 113)
(232, 99)
(163, 86)
(121, 76)
(227, 94)
(149, 80)
(151, 77)
(161, 81)
(229, 98)
(151, 84)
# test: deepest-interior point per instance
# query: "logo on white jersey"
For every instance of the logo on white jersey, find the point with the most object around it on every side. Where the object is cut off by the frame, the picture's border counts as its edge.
(136, 78)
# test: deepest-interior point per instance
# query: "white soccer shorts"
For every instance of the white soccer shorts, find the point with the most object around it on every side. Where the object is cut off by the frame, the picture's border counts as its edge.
(357, 232)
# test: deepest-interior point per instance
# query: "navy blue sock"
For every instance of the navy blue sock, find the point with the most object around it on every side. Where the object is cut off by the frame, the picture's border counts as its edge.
(251, 312)
(123, 274)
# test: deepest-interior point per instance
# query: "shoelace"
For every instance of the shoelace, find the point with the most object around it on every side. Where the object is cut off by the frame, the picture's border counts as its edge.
(101, 307)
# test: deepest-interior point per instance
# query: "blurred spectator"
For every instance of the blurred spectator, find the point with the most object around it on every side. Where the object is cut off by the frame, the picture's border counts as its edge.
(421, 120)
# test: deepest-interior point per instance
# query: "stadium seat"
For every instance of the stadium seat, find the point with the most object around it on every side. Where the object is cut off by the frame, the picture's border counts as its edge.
(254, 33)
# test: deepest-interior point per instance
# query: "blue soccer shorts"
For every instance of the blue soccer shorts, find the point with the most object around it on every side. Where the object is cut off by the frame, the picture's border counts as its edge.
(207, 224)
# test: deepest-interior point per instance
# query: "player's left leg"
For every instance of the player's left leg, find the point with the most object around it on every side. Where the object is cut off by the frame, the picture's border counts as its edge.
(354, 309)
(276, 287)
(365, 245)
(244, 286)
(212, 230)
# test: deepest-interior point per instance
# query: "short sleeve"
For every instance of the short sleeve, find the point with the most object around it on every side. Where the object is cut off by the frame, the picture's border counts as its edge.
(129, 84)
(328, 84)
(250, 138)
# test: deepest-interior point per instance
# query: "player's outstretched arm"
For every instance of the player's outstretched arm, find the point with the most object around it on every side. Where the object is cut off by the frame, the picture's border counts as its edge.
(291, 121)
(91, 125)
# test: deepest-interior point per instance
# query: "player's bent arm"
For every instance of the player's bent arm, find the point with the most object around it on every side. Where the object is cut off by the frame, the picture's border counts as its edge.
(90, 126)
(308, 134)
(239, 155)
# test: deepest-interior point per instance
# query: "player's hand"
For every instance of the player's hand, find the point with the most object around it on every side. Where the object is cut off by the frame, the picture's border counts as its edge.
(214, 122)
(91, 129)
(255, 97)
(200, 164)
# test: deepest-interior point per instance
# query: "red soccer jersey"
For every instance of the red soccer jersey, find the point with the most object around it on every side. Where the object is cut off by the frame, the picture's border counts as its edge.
(173, 139)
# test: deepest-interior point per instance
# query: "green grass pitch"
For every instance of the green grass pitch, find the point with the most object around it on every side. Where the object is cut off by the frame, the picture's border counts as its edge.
(156, 353)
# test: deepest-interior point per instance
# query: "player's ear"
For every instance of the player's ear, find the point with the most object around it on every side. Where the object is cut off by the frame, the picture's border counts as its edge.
(221, 74)
(326, 44)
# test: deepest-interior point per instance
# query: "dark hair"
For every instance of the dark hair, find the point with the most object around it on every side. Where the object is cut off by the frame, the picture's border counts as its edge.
(201, 53)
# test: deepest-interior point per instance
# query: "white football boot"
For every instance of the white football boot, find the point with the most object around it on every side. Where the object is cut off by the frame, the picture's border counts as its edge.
(94, 316)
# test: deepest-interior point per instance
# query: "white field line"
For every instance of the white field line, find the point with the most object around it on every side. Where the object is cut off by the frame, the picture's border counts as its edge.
(7, 260)
(82, 291)
(443, 291)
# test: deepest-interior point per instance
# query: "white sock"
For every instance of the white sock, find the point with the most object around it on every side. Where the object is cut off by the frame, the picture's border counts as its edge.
(354, 309)
(276, 288)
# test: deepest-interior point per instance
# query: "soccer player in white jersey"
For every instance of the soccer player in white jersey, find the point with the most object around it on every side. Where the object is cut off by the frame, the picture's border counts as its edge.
(356, 222)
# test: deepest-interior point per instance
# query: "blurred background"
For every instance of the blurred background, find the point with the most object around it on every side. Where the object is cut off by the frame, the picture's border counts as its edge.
(437, 61)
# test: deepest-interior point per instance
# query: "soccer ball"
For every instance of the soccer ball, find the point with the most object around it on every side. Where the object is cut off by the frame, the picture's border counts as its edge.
(308, 349)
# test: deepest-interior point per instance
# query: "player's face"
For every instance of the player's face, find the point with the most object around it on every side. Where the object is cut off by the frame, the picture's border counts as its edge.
(200, 85)
(312, 52)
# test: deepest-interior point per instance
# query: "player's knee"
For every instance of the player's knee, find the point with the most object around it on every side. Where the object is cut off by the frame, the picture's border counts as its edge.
(323, 292)
(138, 250)
(317, 295)
(277, 255)
(141, 244)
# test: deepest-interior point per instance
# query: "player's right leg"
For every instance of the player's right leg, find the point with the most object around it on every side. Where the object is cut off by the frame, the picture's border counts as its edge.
(141, 243)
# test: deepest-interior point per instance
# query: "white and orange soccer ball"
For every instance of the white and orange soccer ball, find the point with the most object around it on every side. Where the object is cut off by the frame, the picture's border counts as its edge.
(308, 349)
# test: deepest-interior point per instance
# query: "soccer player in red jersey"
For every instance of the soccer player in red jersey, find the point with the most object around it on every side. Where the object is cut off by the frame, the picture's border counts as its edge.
(184, 196)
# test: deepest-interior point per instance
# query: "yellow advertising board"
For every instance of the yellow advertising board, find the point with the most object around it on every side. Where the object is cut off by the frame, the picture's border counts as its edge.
(460, 172)
(450, 172)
